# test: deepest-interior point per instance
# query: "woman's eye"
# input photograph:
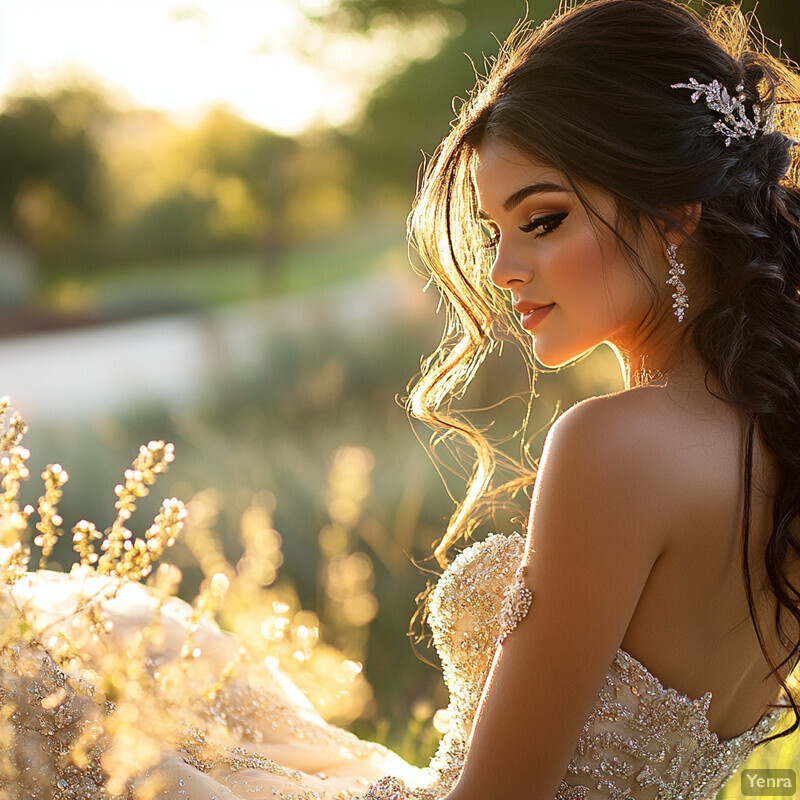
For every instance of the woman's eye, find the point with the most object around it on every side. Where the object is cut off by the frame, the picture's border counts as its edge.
(492, 233)
(548, 223)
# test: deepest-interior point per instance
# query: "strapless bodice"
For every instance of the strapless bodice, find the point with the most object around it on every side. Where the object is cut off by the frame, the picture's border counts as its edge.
(641, 740)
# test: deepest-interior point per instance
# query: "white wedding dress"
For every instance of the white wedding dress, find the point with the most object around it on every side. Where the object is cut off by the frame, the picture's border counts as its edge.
(254, 735)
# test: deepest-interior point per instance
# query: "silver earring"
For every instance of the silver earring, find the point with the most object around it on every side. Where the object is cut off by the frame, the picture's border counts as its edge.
(676, 270)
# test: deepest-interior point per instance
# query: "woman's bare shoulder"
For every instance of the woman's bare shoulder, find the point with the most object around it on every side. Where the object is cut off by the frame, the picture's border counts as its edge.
(635, 417)
(601, 476)
(643, 440)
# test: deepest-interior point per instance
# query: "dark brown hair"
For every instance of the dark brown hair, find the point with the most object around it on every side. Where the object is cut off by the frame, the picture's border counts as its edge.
(589, 93)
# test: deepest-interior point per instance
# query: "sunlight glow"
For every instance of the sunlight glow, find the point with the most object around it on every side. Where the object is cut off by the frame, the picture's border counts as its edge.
(261, 57)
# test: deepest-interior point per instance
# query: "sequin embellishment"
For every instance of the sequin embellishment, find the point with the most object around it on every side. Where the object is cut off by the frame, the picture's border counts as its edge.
(517, 599)
(388, 788)
(641, 740)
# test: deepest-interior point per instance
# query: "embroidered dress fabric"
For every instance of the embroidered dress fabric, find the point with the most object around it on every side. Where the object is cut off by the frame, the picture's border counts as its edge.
(255, 735)
(641, 740)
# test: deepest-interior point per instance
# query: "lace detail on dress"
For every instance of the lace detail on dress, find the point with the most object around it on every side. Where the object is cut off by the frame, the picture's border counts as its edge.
(641, 739)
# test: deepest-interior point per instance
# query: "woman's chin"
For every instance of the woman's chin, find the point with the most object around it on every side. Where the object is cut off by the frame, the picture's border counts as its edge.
(553, 358)
(551, 363)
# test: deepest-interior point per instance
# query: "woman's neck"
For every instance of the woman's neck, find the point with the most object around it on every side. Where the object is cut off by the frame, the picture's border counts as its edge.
(667, 360)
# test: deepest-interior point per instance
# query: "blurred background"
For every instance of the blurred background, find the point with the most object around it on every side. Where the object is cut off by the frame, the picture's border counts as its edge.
(202, 239)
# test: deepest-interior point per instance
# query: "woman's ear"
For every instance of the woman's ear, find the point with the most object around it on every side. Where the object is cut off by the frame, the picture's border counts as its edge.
(687, 218)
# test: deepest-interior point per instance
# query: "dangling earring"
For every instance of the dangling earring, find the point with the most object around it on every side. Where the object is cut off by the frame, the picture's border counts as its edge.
(676, 270)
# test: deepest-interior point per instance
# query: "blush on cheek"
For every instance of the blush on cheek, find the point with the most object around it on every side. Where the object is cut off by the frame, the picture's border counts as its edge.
(583, 268)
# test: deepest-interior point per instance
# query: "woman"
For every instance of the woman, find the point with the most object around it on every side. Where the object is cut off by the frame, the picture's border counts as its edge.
(635, 171)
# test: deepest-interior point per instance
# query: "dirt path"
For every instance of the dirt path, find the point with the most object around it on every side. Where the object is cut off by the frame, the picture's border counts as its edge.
(80, 372)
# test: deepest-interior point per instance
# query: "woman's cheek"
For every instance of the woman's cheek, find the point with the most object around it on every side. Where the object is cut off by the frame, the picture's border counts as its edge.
(580, 276)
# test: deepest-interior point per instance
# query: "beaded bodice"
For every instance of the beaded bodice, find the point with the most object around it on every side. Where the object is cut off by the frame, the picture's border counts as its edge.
(641, 740)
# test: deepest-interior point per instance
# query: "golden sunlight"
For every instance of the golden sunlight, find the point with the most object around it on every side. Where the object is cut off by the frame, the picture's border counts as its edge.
(179, 57)
(263, 58)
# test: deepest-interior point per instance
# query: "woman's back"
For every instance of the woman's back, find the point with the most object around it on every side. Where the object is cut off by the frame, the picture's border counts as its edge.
(691, 627)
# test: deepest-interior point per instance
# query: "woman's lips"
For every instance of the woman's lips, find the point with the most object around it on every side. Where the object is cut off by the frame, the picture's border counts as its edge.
(530, 319)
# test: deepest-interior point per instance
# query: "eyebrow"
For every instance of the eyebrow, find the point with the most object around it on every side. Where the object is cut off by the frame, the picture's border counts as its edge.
(534, 188)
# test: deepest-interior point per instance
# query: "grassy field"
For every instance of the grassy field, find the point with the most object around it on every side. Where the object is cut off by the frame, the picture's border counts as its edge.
(219, 280)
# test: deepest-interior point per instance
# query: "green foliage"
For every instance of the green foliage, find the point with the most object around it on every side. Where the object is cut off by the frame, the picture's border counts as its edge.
(51, 176)
(218, 187)
(413, 110)
(86, 185)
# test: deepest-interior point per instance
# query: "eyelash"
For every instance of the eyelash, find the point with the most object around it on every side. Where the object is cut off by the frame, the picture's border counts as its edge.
(549, 222)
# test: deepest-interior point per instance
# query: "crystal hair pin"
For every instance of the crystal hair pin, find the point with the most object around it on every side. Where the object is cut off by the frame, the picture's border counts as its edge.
(737, 124)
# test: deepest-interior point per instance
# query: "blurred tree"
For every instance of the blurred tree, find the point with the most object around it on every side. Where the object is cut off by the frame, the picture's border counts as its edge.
(223, 185)
(84, 186)
(270, 189)
(240, 168)
(219, 186)
(412, 111)
(51, 177)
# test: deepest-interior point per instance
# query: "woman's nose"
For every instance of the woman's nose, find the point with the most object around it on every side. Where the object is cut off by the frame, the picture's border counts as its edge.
(508, 270)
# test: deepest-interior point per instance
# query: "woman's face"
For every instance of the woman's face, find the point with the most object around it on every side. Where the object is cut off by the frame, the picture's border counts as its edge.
(549, 254)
